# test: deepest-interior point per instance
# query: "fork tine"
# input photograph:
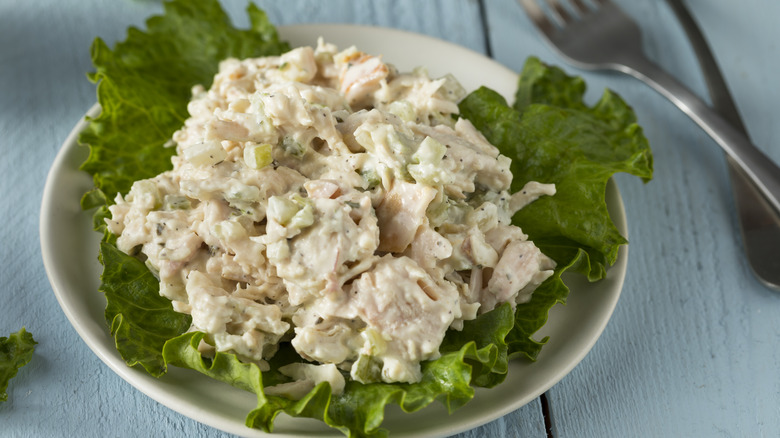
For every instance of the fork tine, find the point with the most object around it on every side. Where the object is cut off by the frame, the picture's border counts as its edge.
(581, 7)
(559, 12)
(538, 16)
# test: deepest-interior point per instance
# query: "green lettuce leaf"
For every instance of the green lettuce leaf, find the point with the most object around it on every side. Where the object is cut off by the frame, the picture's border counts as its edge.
(141, 320)
(16, 351)
(552, 136)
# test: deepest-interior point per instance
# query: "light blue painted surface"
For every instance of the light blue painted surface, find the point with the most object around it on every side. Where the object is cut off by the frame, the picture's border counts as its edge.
(692, 349)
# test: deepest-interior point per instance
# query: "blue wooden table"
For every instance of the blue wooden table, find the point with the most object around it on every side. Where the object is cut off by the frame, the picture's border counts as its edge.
(692, 348)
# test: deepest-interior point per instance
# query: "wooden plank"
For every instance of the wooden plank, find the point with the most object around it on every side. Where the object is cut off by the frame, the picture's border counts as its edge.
(527, 421)
(692, 347)
(456, 21)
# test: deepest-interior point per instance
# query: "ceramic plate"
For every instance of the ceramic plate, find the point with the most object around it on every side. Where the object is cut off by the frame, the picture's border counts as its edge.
(69, 248)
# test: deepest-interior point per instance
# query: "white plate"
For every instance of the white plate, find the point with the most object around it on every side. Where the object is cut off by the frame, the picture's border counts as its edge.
(69, 248)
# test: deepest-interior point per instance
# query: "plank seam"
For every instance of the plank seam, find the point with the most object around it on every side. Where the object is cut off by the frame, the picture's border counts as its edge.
(547, 414)
(483, 18)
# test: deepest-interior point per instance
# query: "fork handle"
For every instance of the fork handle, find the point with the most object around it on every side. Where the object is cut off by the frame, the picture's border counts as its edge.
(756, 165)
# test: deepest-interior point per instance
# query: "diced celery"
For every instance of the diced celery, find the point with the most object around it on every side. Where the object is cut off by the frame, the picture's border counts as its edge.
(371, 177)
(239, 193)
(205, 154)
(257, 106)
(297, 212)
(366, 369)
(228, 230)
(145, 192)
(258, 156)
(428, 174)
(403, 109)
(278, 250)
(264, 129)
(373, 340)
(305, 215)
(293, 147)
(437, 212)
(427, 168)
(176, 202)
(281, 209)
(452, 89)
(447, 211)
(430, 151)
(485, 216)
(396, 141)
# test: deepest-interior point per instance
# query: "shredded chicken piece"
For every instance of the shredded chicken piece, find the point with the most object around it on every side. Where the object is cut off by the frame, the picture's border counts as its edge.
(401, 213)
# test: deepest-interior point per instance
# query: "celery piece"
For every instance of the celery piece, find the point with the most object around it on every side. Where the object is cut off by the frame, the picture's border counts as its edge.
(304, 217)
(147, 193)
(430, 151)
(367, 369)
(258, 156)
(293, 147)
(229, 230)
(281, 209)
(403, 109)
(205, 154)
(176, 202)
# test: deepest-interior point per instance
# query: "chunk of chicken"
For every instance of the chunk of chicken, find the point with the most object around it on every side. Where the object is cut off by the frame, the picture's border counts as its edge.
(237, 324)
(401, 213)
(522, 264)
(360, 75)
(409, 308)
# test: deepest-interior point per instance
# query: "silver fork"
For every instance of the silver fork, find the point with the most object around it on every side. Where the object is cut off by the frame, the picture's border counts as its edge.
(760, 224)
(601, 37)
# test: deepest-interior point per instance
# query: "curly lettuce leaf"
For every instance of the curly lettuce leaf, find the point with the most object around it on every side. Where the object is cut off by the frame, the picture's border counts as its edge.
(141, 320)
(552, 136)
(145, 82)
(16, 351)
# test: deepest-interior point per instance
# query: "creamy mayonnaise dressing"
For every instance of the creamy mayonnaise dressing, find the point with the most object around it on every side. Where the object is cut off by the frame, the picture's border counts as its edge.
(325, 199)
